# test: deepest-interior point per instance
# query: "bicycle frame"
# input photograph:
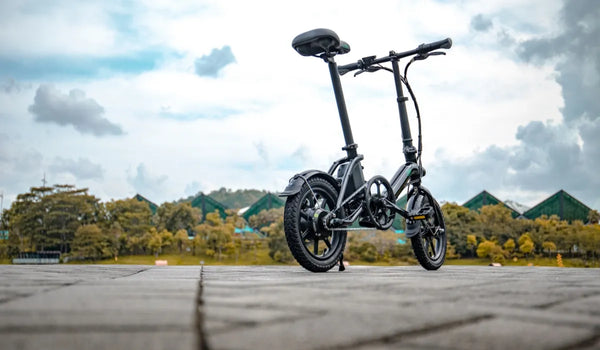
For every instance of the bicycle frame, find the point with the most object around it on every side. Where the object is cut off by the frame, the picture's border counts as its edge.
(352, 178)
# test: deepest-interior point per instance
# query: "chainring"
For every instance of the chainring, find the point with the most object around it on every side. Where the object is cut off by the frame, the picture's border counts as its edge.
(378, 191)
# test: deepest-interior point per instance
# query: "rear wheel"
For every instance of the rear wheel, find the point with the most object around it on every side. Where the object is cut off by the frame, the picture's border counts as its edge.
(429, 244)
(316, 248)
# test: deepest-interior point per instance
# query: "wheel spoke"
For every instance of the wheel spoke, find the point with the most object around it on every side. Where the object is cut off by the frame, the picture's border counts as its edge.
(304, 215)
(321, 202)
(326, 240)
(304, 234)
(432, 246)
(316, 246)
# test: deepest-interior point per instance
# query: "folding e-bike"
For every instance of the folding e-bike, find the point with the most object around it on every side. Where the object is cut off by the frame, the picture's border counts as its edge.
(322, 206)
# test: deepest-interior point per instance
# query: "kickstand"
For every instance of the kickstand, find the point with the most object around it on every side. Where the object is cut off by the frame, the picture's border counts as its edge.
(342, 267)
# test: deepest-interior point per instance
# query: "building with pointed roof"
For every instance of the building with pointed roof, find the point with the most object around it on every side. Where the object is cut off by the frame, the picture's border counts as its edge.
(562, 204)
(208, 205)
(268, 201)
(152, 205)
(486, 198)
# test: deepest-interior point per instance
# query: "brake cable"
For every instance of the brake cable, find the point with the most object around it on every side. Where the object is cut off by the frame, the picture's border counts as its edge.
(404, 79)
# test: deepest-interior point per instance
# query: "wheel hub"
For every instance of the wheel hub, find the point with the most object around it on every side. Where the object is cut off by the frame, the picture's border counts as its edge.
(318, 219)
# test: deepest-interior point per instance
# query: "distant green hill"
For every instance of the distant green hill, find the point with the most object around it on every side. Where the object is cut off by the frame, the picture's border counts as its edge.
(236, 199)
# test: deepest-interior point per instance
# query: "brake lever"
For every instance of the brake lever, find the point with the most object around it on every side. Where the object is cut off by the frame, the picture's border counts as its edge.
(370, 69)
(424, 56)
(373, 69)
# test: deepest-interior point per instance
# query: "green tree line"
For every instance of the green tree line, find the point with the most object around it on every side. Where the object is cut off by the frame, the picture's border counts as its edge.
(493, 233)
(70, 220)
(77, 224)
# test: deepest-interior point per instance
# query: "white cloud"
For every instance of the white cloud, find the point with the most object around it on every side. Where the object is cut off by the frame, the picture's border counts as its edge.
(475, 97)
(82, 169)
(85, 114)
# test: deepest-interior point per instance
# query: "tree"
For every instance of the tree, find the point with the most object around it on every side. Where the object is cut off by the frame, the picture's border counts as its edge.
(216, 234)
(154, 241)
(116, 240)
(181, 240)
(496, 222)
(265, 218)
(589, 241)
(471, 243)
(180, 216)
(492, 250)
(69, 208)
(360, 248)
(234, 218)
(278, 248)
(549, 247)
(555, 230)
(134, 217)
(526, 245)
(384, 243)
(46, 218)
(461, 222)
(593, 216)
(89, 242)
(485, 248)
(509, 245)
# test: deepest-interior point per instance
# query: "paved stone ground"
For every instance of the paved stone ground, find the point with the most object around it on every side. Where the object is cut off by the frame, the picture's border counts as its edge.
(253, 307)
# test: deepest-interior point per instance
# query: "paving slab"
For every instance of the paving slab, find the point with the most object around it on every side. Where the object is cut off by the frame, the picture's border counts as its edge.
(98, 307)
(457, 307)
(287, 307)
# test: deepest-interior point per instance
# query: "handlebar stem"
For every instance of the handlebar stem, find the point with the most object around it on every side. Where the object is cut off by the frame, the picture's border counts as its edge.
(410, 153)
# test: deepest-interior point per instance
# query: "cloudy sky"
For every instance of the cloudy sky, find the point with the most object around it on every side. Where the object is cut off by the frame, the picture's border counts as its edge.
(167, 98)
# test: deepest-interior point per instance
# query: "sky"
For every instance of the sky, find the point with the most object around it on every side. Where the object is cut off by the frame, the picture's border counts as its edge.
(169, 98)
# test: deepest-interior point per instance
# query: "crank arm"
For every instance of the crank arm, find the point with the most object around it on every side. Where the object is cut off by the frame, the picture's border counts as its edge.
(391, 205)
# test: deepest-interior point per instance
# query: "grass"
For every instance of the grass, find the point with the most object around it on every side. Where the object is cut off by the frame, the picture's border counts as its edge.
(258, 257)
(261, 257)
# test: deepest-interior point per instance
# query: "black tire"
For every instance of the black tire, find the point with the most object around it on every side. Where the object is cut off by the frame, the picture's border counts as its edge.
(317, 250)
(429, 244)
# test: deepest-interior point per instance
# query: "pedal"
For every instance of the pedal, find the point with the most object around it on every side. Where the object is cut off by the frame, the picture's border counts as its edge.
(421, 214)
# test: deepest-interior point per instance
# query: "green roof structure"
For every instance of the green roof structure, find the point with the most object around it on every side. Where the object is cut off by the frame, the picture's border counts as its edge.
(208, 205)
(486, 198)
(152, 205)
(268, 201)
(562, 204)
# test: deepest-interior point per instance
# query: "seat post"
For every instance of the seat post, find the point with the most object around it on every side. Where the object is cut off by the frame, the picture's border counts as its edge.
(350, 147)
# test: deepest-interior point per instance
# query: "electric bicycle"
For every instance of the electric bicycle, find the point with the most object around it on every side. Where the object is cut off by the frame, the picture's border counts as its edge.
(322, 206)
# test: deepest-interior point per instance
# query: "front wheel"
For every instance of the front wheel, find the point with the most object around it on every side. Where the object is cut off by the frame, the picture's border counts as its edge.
(315, 247)
(429, 244)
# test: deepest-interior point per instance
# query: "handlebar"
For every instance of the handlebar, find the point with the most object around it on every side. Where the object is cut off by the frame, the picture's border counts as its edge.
(442, 44)
(420, 50)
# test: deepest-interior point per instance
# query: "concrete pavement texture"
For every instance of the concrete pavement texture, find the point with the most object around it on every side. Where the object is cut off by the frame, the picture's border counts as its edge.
(287, 307)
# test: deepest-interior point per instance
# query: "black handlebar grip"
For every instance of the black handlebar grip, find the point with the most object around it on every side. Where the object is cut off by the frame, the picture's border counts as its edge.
(347, 68)
(442, 44)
